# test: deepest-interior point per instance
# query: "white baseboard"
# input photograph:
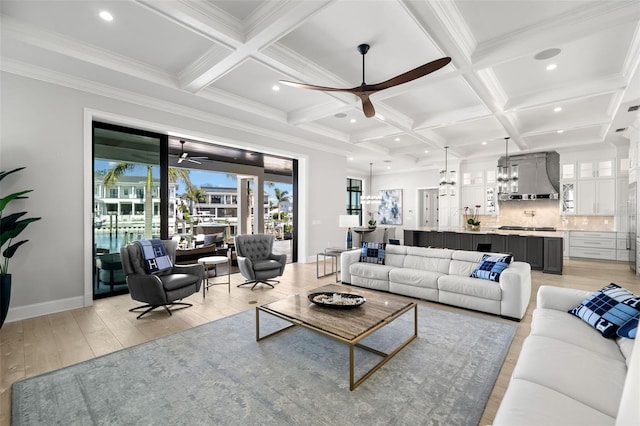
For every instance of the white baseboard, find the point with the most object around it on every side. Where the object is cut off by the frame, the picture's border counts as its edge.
(45, 308)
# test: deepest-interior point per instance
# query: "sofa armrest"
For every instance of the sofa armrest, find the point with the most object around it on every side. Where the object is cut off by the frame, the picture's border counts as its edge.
(515, 283)
(348, 258)
(559, 298)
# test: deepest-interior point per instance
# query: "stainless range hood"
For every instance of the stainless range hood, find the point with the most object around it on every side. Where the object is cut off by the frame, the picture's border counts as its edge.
(538, 176)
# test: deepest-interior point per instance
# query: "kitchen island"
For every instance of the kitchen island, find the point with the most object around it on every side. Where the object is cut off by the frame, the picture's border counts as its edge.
(543, 250)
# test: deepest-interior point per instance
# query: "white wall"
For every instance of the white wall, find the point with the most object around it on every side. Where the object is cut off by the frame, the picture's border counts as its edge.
(409, 183)
(44, 127)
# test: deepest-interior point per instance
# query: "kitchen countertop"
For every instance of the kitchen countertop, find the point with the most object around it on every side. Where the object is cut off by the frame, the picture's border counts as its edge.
(491, 231)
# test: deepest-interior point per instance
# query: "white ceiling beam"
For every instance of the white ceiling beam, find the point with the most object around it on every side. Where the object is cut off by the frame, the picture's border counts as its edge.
(277, 19)
(82, 51)
(571, 25)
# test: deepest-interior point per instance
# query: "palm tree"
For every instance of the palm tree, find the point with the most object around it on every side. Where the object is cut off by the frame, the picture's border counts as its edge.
(281, 196)
(112, 175)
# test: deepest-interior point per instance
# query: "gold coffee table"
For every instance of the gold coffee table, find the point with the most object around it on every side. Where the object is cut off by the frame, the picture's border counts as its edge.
(345, 325)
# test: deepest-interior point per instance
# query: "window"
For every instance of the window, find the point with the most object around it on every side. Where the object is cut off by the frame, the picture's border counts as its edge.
(354, 192)
(125, 192)
(126, 208)
(139, 209)
(113, 193)
(140, 193)
(216, 199)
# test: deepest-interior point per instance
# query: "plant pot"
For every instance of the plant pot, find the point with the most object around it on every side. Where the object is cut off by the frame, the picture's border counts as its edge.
(5, 296)
(474, 228)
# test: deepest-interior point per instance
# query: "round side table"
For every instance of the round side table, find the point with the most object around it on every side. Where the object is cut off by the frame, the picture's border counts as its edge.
(215, 261)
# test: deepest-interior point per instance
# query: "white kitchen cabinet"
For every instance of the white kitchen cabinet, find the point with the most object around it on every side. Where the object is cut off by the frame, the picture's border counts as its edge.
(595, 169)
(568, 170)
(593, 245)
(596, 197)
(568, 197)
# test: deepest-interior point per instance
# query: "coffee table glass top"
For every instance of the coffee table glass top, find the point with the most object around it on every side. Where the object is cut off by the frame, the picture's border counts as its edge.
(348, 324)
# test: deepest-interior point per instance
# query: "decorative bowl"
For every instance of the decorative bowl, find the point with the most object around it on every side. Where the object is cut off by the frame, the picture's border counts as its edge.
(337, 300)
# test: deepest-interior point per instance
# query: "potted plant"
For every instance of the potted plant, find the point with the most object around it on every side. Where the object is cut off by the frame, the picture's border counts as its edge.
(10, 227)
(471, 218)
(372, 222)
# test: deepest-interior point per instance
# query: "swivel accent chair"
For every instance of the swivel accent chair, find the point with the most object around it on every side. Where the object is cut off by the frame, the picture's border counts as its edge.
(256, 260)
(164, 289)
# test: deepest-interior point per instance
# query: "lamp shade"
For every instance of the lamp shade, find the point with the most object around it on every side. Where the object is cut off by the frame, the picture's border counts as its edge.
(348, 221)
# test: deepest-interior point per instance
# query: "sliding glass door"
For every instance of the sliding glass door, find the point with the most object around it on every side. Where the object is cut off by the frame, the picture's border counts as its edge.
(126, 198)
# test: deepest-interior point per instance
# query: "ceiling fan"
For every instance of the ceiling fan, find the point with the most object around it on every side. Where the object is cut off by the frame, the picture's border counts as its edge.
(185, 156)
(364, 90)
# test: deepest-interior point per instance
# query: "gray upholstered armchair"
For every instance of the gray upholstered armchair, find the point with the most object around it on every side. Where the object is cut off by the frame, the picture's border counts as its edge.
(164, 289)
(256, 260)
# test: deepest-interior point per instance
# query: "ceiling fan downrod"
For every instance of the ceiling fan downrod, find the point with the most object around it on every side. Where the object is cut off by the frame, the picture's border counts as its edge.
(363, 49)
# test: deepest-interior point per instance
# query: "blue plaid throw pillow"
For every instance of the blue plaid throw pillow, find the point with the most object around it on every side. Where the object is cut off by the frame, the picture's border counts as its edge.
(491, 266)
(629, 329)
(608, 309)
(372, 253)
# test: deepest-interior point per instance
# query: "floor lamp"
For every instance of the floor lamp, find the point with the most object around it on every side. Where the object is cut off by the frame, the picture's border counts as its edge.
(348, 221)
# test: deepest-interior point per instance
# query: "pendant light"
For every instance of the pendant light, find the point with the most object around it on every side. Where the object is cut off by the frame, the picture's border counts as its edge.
(447, 178)
(370, 199)
(507, 174)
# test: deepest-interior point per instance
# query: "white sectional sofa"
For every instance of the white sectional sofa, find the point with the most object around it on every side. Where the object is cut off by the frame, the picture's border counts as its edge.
(442, 275)
(568, 373)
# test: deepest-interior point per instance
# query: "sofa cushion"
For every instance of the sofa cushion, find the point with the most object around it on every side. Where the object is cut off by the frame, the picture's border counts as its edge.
(372, 253)
(629, 329)
(470, 286)
(491, 266)
(394, 255)
(565, 327)
(370, 270)
(415, 277)
(608, 308)
(527, 403)
(582, 374)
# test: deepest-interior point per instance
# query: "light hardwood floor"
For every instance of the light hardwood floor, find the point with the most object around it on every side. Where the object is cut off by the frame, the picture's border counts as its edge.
(42, 344)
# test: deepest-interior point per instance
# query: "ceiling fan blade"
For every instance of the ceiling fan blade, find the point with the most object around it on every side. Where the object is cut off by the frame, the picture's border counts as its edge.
(180, 160)
(193, 161)
(313, 87)
(421, 71)
(367, 106)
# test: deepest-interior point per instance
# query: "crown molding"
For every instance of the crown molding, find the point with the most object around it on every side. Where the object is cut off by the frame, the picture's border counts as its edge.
(48, 76)
(195, 76)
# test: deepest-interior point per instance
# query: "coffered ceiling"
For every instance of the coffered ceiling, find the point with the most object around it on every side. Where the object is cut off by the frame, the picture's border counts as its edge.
(220, 60)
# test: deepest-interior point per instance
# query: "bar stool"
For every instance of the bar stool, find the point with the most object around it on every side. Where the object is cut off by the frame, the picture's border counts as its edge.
(215, 261)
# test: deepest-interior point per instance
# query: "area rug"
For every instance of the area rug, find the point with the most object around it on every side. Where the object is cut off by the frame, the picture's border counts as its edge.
(217, 374)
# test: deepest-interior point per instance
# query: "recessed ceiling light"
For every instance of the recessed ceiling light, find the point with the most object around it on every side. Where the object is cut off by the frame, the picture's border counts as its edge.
(350, 158)
(275, 88)
(388, 167)
(106, 16)
(397, 139)
(560, 131)
(551, 67)
(353, 120)
(340, 115)
(557, 109)
(547, 54)
(426, 151)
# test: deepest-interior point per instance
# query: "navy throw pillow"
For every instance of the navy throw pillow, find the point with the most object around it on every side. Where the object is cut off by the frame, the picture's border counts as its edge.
(372, 253)
(608, 309)
(491, 266)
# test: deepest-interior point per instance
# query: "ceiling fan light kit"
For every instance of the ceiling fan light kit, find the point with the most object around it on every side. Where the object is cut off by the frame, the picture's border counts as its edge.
(365, 90)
